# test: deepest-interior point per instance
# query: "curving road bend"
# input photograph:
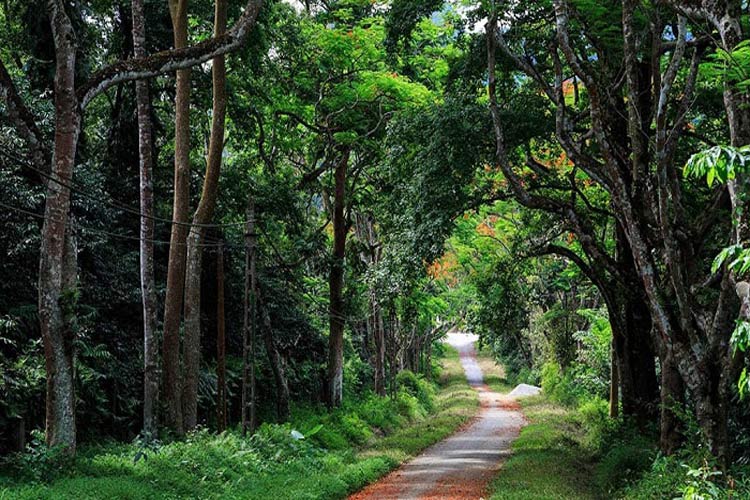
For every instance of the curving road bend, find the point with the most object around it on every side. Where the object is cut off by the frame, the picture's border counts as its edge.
(461, 466)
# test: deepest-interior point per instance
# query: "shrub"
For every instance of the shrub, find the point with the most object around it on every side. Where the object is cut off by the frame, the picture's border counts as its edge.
(354, 428)
(408, 405)
(41, 462)
(381, 413)
(594, 416)
(417, 387)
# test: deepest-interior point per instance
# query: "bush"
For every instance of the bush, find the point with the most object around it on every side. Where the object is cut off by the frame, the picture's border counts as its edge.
(354, 428)
(381, 413)
(417, 387)
(594, 416)
(557, 386)
(40, 462)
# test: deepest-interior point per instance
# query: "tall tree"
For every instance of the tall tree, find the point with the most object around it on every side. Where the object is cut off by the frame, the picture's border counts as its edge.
(221, 345)
(336, 284)
(203, 215)
(146, 248)
(56, 295)
(177, 241)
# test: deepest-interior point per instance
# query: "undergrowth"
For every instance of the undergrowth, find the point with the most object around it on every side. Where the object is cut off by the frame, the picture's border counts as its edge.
(571, 449)
(318, 455)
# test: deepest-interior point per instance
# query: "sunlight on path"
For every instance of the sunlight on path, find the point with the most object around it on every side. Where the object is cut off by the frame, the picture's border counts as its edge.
(461, 466)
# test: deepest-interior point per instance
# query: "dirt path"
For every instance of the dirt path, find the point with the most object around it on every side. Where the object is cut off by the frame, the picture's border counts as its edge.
(461, 466)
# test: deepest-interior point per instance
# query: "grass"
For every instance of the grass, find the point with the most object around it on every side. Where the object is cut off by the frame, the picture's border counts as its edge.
(549, 460)
(494, 374)
(352, 447)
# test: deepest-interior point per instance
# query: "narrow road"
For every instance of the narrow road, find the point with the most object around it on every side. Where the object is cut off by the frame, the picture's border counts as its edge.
(461, 466)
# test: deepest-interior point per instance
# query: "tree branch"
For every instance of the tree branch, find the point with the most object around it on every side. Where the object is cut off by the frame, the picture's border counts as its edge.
(23, 121)
(171, 60)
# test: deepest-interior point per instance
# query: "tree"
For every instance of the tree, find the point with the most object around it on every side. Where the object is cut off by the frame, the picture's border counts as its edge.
(636, 135)
(203, 215)
(56, 293)
(146, 190)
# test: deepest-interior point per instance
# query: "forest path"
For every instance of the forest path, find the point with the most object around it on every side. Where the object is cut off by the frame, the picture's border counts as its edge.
(461, 466)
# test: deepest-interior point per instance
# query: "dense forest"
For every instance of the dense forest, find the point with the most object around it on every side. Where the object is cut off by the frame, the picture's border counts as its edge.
(236, 233)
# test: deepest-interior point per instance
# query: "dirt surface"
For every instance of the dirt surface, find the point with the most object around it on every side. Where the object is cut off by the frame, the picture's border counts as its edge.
(461, 466)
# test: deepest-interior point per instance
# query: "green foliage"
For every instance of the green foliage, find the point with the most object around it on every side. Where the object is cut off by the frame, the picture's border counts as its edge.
(417, 387)
(40, 462)
(722, 163)
(683, 476)
(732, 66)
(549, 461)
(288, 460)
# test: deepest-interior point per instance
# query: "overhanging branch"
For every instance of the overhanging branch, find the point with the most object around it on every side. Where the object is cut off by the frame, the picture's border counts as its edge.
(140, 68)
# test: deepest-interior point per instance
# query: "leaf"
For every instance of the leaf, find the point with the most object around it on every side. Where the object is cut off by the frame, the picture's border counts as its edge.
(314, 430)
(728, 252)
(742, 383)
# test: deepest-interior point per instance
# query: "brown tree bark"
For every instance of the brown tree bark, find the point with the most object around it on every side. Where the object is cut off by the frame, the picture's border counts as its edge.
(69, 103)
(172, 382)
(221, 345)
(56, 274)
(249, 324)
(195, 241)
(672, 399)
(146, 246)
(277, 363)
(336, 287)
(614, 384)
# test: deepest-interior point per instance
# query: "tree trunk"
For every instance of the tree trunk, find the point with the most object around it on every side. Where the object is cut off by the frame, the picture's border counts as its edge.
(221, 345)
(379, 335)
(146, 246)
(672, 399)
(277, 364)
(57, 273)
(614, 384)
(195, 242)
(248, 328)
(336, 287)
(636, 362)
(177, 243)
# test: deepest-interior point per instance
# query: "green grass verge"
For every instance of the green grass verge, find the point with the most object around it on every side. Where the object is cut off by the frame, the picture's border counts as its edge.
(494, 374)
(549, 461)
(355, 446)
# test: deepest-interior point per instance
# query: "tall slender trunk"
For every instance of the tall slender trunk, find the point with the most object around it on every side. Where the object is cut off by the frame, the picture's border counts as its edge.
(177, 242)
(221, 345)
(614, 384)
(336, 287)
(57, 268)
(248, 327)
(277, 363)
(379, 335)
(146, 247)
(203, 216)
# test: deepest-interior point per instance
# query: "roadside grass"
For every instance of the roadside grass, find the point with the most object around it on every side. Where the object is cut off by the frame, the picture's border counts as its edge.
(493, 373)
(346, 450)
(549, 460)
